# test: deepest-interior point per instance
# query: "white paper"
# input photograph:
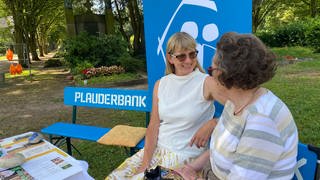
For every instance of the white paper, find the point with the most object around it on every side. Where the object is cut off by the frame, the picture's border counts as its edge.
(51, 166)
(44, 161)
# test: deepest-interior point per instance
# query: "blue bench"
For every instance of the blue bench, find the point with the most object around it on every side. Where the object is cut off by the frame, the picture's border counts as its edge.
(308, 162)
(121, 99)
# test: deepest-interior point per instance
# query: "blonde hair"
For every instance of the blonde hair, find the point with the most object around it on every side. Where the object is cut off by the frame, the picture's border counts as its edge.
(180, 41)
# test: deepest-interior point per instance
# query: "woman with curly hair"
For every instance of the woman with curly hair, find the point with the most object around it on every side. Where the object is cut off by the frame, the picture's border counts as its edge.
(256, 136)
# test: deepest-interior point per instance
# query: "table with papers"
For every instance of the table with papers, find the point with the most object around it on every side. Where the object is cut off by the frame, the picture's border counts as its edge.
(44, 161)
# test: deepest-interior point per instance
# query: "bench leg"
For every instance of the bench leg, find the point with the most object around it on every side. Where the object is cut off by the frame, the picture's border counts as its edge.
(51, 139)
(76, 149)
(60, 141)
(69, 146)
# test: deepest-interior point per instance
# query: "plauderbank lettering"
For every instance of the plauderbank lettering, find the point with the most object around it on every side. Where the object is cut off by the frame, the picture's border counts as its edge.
(110, 99)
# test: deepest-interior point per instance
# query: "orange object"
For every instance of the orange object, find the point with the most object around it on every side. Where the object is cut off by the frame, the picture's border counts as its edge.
(18, 69)
(12, 69)
(9, 54)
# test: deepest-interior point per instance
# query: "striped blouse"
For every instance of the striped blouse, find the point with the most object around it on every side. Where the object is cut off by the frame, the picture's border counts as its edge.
(260, 144)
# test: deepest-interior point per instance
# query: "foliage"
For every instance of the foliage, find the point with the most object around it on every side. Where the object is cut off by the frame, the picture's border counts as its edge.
(273, 13)
(59, 54)
(261, 10)
(3, 48)
(292, 34)
(98, 51)
(53, 63)
(132, 64)
(5, 35)
(81, 66)
(297, 33)
(313, 34)
(32, 23)
(30, 15)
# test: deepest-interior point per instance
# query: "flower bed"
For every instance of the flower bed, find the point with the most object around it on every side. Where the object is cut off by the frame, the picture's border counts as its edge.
(101, 71)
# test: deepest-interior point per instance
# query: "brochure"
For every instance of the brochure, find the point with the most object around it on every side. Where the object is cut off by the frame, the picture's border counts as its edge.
(44, 161)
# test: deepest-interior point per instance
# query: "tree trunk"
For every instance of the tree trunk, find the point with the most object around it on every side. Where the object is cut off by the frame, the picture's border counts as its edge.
(18, 34)
(45, 46)
(33, 46)
(136, 23)
(40, 45)
(121, 27)
(260, 10)
(255, 19)
(313, 8)
(109, 17)
(71, 27)
(18, 31)
(41, 51)
(140, 43)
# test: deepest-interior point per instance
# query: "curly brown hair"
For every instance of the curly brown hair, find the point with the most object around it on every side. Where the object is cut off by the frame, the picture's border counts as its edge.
(244, 61)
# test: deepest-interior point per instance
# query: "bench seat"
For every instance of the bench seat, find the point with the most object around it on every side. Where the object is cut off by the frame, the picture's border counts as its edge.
(80, 131)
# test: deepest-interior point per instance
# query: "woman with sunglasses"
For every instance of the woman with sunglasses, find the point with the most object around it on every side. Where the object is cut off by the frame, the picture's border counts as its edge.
(181, 118)
(256, 136)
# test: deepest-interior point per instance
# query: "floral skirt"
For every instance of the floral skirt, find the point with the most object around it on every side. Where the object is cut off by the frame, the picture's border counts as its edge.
(161, 156)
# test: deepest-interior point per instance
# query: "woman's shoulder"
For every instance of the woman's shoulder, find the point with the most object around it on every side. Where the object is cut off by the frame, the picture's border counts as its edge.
(267, 103)
(272, 108)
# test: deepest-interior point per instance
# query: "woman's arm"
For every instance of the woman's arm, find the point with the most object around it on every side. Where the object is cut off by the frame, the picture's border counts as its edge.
(152, 132)
(201, 137)
(189, 171)
(201, 161)
(210, 93)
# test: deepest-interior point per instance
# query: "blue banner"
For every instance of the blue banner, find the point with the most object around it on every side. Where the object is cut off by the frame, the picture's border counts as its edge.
(124, 99)
(205, 20)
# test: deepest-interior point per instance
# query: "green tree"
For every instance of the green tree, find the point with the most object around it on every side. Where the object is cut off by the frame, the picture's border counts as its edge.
(136, 21)
(27, 16)
(15, 9)
(53, 19)
(313, 7)
(110, 27)
(270, 13)
(260, 10)
(5, 32)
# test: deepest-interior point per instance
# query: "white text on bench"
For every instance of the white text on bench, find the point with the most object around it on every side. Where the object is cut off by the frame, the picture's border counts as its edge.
(110, 99)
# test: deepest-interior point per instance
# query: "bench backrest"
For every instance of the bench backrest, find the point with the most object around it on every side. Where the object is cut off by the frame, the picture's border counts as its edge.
(122, 99)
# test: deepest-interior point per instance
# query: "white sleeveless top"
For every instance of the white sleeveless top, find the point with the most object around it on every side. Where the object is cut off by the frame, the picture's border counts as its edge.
(182, 110)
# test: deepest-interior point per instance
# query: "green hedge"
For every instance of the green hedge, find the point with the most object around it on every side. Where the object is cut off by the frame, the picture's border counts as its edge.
(313, 34)
(299, 33)
(86, 51)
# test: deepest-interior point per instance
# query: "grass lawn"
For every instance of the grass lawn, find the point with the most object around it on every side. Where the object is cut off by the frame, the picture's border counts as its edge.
(4, 57)
(298, 85)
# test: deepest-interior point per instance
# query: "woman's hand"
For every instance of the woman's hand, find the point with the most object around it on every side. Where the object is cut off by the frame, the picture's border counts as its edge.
(187, 172)
(141, 169)
(201, 137)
